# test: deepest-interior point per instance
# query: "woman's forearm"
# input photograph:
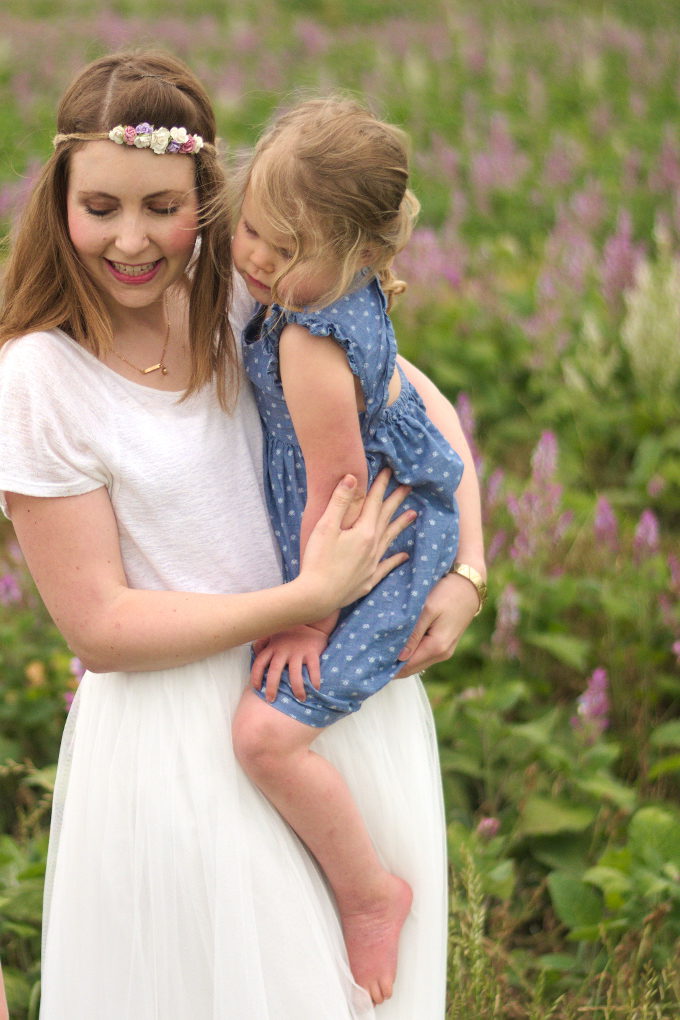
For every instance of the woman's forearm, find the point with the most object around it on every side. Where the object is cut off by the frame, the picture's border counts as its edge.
(442, 414)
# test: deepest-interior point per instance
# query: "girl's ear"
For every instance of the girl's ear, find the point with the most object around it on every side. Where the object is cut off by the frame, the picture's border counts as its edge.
(367, 257)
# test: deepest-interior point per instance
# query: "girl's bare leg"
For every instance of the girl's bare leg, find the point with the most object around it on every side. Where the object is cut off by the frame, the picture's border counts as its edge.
(313, 798)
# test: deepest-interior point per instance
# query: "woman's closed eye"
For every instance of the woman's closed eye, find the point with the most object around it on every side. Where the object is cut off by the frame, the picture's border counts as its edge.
(162, 210)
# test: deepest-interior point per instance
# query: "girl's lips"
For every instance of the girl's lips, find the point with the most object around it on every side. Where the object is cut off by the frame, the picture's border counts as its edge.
(256, 283)
(141, 272)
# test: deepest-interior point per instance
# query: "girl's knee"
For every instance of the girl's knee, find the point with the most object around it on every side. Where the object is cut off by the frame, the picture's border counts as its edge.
(254, 736)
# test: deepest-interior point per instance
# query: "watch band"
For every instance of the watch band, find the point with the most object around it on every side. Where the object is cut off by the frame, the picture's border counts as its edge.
(465, 570)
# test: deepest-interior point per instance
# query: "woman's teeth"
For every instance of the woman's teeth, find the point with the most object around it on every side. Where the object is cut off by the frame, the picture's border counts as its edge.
(122, 267)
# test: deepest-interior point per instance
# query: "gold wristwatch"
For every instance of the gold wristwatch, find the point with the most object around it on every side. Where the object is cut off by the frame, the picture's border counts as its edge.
(465, 570)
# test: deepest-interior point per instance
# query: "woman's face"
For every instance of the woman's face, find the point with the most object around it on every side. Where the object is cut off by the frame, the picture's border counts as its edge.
(133, 220)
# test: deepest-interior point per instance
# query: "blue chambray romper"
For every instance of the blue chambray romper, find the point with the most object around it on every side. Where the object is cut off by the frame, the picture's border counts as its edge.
(361, 656)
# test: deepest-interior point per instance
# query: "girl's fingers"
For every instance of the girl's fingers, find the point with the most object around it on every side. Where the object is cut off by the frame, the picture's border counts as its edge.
(297, 682)
(314, 670)
(258, 668)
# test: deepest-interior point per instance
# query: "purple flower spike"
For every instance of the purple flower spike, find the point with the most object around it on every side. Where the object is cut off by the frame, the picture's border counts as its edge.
(10, 592)
(592, 708)
(606, 526)
(646, 538)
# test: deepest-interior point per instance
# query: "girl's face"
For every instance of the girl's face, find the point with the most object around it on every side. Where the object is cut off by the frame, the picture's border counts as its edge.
(260, 253)
(133, 220)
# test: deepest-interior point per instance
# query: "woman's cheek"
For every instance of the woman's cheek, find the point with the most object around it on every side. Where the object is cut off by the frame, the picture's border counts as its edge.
(182, 237)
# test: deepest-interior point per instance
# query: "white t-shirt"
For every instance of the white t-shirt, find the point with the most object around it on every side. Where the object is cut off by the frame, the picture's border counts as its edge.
(185, 479)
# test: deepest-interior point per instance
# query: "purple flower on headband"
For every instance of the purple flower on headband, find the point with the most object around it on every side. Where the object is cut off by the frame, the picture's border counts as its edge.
(129, 135)
(143, 129)
(173, 147)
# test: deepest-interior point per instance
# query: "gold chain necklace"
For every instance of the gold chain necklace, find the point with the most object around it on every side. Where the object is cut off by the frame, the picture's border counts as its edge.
(159, 365)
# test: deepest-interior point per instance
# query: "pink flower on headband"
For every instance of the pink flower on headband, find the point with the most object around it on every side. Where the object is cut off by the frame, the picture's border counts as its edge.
(129, 135)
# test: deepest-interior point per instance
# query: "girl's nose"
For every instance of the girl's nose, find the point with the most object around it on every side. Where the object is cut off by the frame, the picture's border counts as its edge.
(262, 257)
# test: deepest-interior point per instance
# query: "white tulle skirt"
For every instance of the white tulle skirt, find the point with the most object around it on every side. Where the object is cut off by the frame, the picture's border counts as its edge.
(175, 892)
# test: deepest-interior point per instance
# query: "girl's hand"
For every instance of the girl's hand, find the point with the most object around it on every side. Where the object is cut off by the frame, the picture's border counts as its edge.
(448, 610)
(340, 566)
(294, 648)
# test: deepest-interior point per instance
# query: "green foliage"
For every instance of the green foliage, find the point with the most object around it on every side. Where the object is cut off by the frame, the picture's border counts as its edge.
(543, 298)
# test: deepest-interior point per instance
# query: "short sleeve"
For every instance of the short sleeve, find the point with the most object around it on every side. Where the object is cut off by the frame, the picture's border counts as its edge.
(325, 323)
(47, 445)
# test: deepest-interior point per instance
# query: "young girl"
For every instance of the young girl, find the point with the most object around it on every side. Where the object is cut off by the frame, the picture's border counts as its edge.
(325, 208)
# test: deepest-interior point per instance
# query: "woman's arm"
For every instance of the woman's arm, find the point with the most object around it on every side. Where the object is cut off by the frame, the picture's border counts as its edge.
(453, 602)
(72, 550)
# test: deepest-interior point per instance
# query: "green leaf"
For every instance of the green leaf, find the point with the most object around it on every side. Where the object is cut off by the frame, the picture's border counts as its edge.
(614, 884)
(561, 963)
(654, 836)
(500, 881)
(576, 904)
(664, 766)
(567, 649)
(538, 731)
(563, 852)
(607, 788)
(666, 735)
(544, 816)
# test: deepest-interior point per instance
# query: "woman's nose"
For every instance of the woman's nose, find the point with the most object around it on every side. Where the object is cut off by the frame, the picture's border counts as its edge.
(131, 237)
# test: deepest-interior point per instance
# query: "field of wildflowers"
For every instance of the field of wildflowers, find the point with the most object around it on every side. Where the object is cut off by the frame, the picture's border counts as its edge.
(544, 299)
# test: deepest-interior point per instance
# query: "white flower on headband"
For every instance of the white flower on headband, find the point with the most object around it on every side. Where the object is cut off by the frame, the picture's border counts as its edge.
(159, 140)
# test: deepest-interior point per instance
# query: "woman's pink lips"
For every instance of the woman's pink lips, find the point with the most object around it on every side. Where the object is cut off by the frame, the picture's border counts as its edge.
(127, 278)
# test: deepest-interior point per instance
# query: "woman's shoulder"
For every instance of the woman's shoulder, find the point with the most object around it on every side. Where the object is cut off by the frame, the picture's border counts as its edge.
(37, 348)
(47, 364)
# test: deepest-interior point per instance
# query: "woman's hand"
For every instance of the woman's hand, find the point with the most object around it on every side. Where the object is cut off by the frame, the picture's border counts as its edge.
(342, 565)
(448, 610)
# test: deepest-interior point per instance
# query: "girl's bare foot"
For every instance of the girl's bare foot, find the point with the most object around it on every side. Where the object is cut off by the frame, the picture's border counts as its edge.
(372, 938)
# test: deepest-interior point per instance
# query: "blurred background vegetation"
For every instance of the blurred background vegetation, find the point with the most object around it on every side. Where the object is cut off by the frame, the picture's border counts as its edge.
(544, 299)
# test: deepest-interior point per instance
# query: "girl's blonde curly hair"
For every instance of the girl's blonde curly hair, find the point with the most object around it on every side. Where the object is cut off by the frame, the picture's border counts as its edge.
(334, 178)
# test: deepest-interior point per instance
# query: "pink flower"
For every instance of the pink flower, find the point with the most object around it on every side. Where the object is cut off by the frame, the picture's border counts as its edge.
(129, 135)
(646, 538)
(488, 827)
(592, 708)
(504, 639)
(10, 592)
(605, 526)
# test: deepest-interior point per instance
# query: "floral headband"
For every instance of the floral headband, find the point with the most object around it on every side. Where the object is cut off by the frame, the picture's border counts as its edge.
(144, 136)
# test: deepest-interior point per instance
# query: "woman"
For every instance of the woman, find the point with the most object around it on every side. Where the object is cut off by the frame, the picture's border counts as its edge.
(130, 464)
